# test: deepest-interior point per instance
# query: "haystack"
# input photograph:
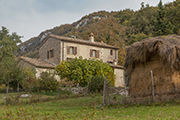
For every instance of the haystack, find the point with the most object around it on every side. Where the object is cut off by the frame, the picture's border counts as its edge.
(162, 56)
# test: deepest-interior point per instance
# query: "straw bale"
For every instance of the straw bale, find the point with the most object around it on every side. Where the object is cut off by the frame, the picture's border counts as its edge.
(160, 54)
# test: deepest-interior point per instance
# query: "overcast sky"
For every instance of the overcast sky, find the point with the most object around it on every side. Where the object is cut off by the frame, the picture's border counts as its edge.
(30, 17)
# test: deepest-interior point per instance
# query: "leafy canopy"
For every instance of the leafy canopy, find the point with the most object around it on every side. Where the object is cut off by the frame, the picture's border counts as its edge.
(81, 70)
(8, 45)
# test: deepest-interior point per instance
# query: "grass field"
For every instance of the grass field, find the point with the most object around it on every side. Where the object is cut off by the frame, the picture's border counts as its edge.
(86, 108)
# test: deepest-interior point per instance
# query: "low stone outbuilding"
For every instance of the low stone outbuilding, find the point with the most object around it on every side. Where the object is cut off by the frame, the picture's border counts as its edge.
(38, 66)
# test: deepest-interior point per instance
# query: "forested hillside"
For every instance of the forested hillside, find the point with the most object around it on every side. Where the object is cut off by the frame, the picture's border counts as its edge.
(120, 28)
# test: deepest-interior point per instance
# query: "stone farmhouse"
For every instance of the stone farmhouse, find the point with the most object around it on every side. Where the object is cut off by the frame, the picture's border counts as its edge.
(57, 48)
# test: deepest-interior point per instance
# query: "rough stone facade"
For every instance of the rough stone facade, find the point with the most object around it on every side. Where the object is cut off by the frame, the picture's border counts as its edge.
(57, 48)
(50, 44)
(84, 51)
(60, 49)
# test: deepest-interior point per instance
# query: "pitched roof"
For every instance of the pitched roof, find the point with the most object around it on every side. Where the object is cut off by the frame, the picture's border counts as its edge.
(38, 62)
(80, 41)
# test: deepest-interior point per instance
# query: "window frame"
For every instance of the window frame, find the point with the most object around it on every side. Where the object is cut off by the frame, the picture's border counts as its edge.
(96, 53)
(50, 53)
(47, 54)
(74, 50)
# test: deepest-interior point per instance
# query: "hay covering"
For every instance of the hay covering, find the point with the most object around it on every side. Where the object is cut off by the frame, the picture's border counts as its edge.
(160, 54)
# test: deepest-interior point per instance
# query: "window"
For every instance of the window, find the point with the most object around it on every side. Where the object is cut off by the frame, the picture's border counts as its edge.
(47, 54)
(111, 52)
(94, 53)
(50, 54)
(71, 50)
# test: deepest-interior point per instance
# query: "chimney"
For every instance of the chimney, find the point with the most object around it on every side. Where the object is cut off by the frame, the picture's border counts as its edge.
(91, 37)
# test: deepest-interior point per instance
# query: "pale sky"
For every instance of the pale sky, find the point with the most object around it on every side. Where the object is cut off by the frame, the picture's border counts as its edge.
(29, 18)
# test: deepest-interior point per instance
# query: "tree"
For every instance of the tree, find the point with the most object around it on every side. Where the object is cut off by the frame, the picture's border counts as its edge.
(47, 82)
(81, 70)
(162, 25)
(29, 81)
(8, 45)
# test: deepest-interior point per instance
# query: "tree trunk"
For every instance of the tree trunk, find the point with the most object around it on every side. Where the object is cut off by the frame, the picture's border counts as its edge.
(7, 93)
(18, 92)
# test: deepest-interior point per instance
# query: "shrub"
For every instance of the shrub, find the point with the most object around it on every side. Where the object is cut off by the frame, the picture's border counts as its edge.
(48, 82)
(79, 70)
(96, 84)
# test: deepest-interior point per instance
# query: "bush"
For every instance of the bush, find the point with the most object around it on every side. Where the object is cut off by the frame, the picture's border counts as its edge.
(48, 82)
(96, 84)
(79, 70)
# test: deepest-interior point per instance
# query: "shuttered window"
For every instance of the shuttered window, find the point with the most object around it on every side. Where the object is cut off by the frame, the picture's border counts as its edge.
(71, 50)
(94, 53)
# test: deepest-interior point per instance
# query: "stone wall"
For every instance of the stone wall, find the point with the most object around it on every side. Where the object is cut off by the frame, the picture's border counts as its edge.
(117, 91)
(50, 44)
(84, 90)
(76, 90)
(60, 51)
(40, 70)
(84, 51)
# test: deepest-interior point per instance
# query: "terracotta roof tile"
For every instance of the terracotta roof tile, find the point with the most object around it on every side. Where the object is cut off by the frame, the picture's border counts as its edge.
(38, 62)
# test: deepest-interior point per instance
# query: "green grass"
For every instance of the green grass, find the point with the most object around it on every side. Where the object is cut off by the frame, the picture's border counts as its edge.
(54, 93)
(87, 108)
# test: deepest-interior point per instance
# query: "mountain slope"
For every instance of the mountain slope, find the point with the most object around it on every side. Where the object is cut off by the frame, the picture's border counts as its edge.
(121, 28)
(69, 30)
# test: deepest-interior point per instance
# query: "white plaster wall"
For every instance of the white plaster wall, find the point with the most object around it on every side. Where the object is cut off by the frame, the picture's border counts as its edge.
(119, 77)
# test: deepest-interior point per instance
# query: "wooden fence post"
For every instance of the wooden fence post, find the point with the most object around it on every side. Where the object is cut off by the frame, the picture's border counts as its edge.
(104, 92)
(152, 82)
